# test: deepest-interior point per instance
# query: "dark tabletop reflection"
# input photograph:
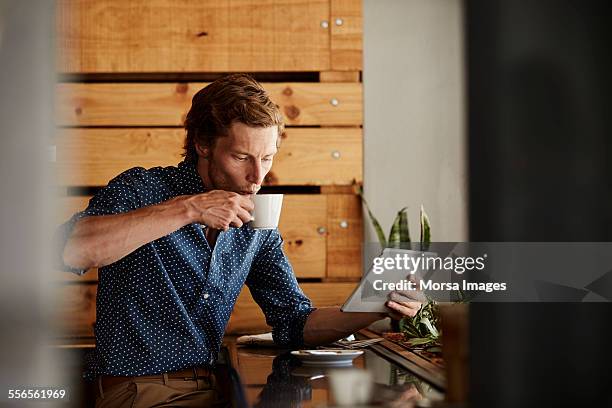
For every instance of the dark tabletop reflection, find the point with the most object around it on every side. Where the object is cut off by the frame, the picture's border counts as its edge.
(291, 385)
(283, 389)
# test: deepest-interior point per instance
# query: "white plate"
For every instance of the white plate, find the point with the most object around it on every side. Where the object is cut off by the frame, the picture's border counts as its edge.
(327, 358)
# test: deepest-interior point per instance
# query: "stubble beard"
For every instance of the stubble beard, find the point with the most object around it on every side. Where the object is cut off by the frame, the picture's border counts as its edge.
(217, 179)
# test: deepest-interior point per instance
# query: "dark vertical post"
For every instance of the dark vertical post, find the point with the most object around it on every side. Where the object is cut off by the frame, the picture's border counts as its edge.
(540, 169)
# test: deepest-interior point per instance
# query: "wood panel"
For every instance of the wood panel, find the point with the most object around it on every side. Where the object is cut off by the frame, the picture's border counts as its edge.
(324, 156)
(344, 243)
(76, 307)
(347, 37)
(166, 104)
(92, 157)
(301, 218)
(139, 36)
(248, 318)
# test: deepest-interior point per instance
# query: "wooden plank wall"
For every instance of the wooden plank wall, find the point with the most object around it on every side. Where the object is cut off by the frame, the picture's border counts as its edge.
(193, 36)
(112, 116)
(315, 156)
(166, 104)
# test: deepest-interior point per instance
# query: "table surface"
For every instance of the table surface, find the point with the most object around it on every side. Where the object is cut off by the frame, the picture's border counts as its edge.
(271, 377)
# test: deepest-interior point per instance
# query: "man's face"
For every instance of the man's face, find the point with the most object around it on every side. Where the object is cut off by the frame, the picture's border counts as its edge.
(239, 161)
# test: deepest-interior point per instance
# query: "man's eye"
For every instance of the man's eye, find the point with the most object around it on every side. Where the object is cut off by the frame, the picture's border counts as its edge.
(267, 159)
(241, 158)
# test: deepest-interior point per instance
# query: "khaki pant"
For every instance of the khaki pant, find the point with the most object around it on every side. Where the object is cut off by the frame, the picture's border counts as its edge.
(144, 392)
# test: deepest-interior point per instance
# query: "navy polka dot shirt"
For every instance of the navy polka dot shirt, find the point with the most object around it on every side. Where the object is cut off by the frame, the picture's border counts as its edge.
(165, 306)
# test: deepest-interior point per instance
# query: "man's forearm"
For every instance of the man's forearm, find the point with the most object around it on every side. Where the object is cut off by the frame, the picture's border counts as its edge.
(326, 325)
(101, 240)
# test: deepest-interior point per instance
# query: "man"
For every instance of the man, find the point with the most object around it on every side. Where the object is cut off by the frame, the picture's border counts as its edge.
(174, 250)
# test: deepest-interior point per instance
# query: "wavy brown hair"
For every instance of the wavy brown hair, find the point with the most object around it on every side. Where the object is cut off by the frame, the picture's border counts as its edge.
(232, 98)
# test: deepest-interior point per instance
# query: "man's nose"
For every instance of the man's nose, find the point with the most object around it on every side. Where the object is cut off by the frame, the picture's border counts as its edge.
(256, 175)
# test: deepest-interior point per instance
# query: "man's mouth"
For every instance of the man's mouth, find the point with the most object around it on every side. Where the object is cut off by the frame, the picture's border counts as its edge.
(249, 191)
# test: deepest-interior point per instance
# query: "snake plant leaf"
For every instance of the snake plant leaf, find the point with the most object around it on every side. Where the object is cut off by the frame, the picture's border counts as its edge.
(404, 231)
(425, 231)
(379, 231)
(395, 234)
(409, 330)
(432, 329)
(419, 341)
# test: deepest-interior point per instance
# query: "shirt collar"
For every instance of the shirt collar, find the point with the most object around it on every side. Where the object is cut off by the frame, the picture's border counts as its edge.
(191, 182)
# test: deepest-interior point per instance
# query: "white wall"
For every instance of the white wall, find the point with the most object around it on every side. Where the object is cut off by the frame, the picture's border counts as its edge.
(414, 125)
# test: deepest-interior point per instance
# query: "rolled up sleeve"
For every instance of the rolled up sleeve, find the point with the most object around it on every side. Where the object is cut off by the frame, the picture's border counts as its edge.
(275, 289)
(119, 196)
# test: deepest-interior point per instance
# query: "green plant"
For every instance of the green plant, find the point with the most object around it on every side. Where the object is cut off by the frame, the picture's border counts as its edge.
(423, 329)
(399, 232)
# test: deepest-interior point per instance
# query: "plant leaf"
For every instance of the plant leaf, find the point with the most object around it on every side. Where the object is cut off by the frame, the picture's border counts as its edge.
(424, 324)
(375, 223)
(425, 231)
(404, 231)
(395, 234)
(418, 341)
(432, 329)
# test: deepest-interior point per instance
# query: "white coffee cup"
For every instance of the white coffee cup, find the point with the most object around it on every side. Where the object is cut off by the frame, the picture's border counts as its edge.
(351, 386)
(267, 211)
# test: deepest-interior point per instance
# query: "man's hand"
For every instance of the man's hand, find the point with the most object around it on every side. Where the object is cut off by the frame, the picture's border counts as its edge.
(220, 209)
(404, 303)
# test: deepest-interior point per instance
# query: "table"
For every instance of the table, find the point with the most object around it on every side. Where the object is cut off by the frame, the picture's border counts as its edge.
(271, 377)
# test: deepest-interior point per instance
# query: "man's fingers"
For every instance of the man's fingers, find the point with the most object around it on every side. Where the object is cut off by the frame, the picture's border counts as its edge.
(411, 305)
(244, 215)
(236, 222)
(407, 296)
(246, 202)
(240, 218)
(404, 308)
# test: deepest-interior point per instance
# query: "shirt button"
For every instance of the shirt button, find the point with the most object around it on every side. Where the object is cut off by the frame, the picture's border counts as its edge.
(206, 296)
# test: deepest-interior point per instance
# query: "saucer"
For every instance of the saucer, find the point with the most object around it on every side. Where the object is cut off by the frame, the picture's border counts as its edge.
(327, 358)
